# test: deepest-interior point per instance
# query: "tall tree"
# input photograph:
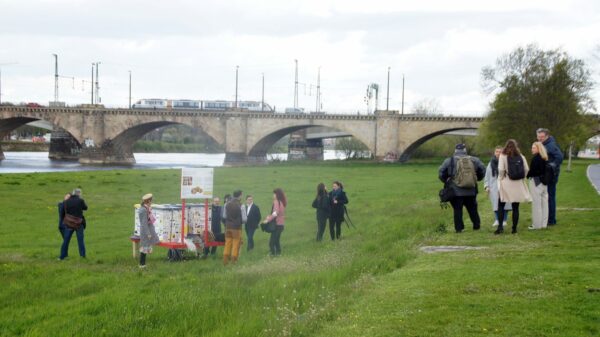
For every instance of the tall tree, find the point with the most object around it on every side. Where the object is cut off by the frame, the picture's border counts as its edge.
(351, 147)
(427, 106)
(537, 88)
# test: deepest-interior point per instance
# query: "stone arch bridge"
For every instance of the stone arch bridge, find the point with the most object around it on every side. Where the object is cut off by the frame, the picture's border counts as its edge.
(106, 136)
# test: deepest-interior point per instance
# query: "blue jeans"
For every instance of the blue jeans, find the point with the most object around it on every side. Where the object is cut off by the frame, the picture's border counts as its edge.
(64, 249)
(552, 202)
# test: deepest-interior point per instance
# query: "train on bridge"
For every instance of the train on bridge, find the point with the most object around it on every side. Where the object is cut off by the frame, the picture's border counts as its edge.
(189, 104)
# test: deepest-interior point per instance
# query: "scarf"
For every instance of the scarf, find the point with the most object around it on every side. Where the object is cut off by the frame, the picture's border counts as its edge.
(335, 194)
(494, 165)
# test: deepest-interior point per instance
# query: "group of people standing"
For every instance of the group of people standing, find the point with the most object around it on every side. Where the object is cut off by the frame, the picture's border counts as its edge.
(330, 206)
(233, 215)
(505, 182)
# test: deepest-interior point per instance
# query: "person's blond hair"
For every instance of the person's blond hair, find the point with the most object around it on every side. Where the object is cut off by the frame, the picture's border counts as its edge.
(541, 150)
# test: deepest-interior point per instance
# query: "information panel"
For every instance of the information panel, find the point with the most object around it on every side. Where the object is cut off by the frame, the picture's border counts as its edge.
(196, 183)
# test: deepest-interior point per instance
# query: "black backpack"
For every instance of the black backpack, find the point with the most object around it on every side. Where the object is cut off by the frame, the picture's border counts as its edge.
(516, 167)
(549, 174)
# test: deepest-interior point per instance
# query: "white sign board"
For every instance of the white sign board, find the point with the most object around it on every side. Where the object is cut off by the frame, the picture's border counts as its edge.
(196, 183)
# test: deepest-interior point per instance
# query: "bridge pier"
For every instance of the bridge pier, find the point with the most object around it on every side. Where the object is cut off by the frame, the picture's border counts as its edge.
(106, 154)
(314, 149)
(63, 146)
(297, 145)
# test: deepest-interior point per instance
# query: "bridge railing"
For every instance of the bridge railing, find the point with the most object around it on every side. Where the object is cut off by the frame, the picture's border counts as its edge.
(219, 113)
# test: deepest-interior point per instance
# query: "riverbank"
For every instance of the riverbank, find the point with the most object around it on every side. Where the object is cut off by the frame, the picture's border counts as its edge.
(373, 282)
(24, 146)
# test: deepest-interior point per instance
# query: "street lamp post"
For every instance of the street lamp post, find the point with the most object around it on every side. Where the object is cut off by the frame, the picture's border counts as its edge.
(97, 85)
(93, 64)
(387, 99)
(236, 86)
(403, 94)
(130, 89)
(55, 78)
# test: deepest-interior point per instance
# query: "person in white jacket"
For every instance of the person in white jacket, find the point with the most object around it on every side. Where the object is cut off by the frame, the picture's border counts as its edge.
(490, 184)
(512, 170)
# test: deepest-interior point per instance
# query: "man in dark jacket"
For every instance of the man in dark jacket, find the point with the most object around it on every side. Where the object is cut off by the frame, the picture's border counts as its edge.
(233, 228)
(75, 206)
(215, 225)
(253, 218)
(555, 157)
(463, 196)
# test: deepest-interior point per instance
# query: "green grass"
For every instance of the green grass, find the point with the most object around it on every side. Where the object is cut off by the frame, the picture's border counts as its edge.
(374, 282)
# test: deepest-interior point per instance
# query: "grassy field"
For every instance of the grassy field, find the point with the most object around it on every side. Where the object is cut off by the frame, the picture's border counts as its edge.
(374, 282)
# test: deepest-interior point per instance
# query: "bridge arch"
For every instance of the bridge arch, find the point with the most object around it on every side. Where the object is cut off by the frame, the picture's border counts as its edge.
(407, 153)
(120, 148)
(258, 146)
(63, 144)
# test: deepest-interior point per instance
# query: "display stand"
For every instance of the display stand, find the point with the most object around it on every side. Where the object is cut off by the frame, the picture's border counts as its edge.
(179, 245)
(196, 183)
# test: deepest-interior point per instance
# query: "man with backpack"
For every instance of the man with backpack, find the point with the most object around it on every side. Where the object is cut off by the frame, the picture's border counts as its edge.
(555, 158)
(462, 172)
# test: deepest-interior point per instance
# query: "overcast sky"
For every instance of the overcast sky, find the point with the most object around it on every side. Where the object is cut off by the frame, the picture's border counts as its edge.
(189, 49)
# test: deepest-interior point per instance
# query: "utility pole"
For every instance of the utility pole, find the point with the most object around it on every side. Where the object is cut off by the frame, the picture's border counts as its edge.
(262, 102)
(93, 64)
(403, 94)
(236, 86)
(130, 89)
(387, 99)
(296, 87)
(98, 100)
(318, 90)
(55, 78)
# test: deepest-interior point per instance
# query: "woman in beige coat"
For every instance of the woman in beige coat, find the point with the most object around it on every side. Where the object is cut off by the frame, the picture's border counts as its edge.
(512, 170)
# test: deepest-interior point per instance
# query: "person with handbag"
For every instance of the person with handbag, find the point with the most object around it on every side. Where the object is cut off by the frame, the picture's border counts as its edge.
(148, 236)
(323, 207)
(512, 170)
(74, 223)
(538, 186)
(277, 214)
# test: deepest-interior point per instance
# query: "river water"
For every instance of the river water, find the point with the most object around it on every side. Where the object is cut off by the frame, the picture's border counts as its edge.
(26, 162)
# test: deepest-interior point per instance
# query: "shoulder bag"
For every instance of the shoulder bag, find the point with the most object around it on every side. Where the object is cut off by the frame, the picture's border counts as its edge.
(447, 193)
(71, 221)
